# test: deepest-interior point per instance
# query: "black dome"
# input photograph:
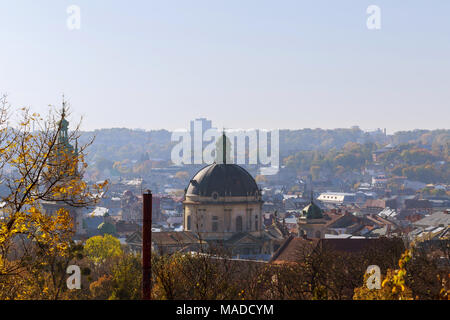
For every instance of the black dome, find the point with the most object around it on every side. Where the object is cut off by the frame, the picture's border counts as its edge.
(223, 179)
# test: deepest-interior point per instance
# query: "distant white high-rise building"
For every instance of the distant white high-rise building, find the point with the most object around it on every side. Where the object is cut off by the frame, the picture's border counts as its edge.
(199, 127)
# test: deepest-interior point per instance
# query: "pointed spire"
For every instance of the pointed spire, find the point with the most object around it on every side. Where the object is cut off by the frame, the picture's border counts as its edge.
(63, 112)
(224, 151)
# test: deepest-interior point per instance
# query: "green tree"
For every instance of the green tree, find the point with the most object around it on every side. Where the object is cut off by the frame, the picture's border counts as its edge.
(99, 248)
(127, 278)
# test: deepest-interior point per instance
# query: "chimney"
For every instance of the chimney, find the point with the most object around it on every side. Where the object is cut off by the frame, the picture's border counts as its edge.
(147, 245)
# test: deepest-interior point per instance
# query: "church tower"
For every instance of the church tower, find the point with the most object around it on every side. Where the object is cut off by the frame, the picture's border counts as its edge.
(63, 169)
(64, 150)
(312, 221)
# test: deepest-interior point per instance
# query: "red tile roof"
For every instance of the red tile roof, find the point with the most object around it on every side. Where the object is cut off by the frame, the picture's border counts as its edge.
(293, 249)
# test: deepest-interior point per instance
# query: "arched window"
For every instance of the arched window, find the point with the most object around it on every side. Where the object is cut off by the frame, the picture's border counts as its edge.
(188, 222)
(215, 224)
(239, 224)
(318, 234)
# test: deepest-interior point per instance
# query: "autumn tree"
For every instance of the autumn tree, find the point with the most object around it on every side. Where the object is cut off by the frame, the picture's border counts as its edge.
(99, 248)
(39, 165)
(209, 275)
(122, 280)
(393, 286)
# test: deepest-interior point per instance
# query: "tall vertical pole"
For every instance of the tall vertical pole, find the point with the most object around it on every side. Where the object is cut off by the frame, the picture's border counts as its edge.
(224, 147)
(147, 245)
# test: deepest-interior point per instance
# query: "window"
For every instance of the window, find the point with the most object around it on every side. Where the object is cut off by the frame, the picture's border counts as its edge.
(248, 214)
(215, 224)
(256, 223)
(189, 222)
(228, 219)
(239, 224)
(201, 214)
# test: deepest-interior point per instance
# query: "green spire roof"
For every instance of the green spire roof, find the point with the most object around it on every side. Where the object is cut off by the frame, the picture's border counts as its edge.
(63, 147)
(63, 138)
(223, 149)
(106, 227)
(312, 211)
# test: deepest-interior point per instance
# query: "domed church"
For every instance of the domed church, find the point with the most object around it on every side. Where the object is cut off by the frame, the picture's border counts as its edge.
(221, 200)
(223, 203)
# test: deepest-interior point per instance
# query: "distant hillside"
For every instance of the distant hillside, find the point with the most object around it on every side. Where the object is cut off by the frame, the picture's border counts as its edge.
(121, 143)
(420, 155)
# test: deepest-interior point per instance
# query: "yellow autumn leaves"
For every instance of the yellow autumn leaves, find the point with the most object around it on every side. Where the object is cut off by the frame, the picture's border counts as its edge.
(393, 286)
(41, 174)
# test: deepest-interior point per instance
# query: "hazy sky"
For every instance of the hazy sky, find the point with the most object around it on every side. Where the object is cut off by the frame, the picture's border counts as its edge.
(241, 63)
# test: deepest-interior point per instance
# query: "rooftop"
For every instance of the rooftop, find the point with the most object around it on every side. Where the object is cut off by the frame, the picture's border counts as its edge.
(435, 219)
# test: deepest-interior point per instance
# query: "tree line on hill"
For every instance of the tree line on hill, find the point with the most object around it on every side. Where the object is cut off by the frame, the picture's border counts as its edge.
(411, 161)
(322, 152)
